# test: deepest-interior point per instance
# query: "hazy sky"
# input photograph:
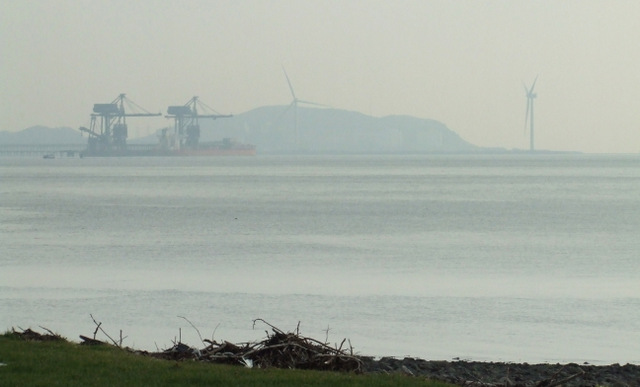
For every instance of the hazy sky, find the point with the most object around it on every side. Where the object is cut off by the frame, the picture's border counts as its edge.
(459, 62)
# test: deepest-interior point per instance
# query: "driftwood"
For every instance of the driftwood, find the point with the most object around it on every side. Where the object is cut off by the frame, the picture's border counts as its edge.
(278, 349)
(553, 380)
(30, 335)
(89, 341)
(99, 328)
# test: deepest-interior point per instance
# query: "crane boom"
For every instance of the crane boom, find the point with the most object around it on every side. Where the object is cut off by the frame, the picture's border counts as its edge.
(89, 131)
(129, 115)
(186, 127)
(109, 129)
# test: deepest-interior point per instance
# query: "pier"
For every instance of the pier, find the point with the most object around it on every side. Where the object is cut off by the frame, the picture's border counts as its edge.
(60, 150)
(57, 150)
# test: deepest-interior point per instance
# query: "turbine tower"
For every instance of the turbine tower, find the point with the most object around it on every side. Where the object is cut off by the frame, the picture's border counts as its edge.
(529, 114)
(294, 105)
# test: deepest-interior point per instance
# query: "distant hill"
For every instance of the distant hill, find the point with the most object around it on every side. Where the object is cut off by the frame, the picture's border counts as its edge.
(271, 129)
(42, 135)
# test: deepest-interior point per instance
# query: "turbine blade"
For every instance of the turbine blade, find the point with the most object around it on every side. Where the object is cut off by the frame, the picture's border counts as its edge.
(533, 85)
(289, 82)
(312, 103)
(526, 116)
(283, 113)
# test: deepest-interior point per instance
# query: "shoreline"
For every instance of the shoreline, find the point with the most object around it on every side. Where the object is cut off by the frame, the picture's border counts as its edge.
(494, 374)
(293, 351)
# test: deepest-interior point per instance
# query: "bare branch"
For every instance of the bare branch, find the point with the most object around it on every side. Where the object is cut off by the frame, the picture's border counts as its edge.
(194, 327)
(98, 327)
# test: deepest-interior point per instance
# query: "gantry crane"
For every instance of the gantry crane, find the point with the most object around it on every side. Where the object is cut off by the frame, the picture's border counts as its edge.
(186, 127)
(108, 131)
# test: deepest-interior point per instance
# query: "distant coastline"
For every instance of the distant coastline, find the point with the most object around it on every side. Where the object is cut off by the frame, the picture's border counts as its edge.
(40, 140)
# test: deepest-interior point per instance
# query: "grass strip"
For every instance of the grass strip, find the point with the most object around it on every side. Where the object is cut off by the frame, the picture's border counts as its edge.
(62, 363)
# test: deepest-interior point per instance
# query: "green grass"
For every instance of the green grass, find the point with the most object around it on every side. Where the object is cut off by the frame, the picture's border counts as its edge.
(67, 364)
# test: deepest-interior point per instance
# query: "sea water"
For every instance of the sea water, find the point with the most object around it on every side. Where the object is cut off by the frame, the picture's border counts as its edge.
(486, 257)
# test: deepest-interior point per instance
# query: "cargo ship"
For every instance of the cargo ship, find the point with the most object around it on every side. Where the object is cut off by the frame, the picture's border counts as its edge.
(168, 148)
(227, 147)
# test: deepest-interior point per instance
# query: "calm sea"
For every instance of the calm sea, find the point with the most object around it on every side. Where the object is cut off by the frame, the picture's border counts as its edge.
(500, 258)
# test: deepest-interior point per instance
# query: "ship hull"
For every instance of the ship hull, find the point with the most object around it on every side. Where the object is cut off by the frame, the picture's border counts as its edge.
(214, 152)
(204, 152)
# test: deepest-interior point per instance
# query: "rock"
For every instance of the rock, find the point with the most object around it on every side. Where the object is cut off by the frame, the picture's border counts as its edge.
(509, 374)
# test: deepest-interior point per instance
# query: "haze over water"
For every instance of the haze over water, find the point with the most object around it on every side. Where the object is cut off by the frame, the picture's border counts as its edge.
(462, 63)
(512, 258)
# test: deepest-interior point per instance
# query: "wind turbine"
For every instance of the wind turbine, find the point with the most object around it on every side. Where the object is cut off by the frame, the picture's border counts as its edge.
(529, 114)
(294, 105)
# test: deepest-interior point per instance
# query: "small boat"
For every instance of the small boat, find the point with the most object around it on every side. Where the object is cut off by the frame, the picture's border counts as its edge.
(49, 156)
